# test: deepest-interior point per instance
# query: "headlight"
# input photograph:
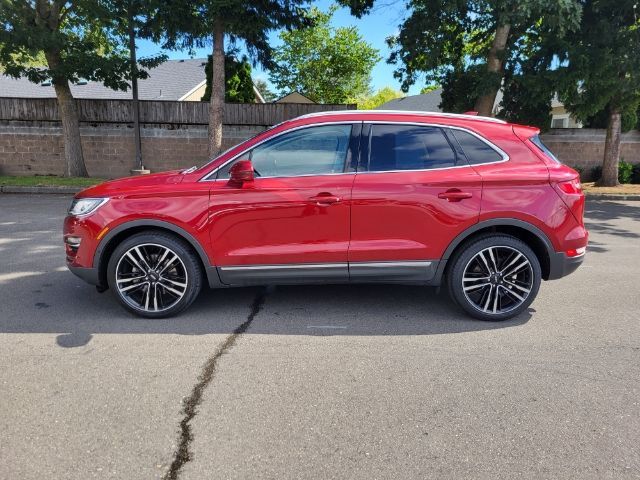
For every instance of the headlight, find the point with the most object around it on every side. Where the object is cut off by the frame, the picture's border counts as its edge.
(85, 206)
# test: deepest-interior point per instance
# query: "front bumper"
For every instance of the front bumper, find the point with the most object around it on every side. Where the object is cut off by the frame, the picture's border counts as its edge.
(560, 265)
(89, 275)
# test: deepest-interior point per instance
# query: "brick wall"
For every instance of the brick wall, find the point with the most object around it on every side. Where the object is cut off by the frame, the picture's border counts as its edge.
(584, 147)
(36, 148)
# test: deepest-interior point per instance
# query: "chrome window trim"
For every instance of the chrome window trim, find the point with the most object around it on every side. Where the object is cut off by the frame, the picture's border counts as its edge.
(300, 127)
(498, 150)
(502, 153)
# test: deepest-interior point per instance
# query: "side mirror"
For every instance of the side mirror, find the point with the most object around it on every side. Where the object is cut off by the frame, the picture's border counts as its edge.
(241, 172)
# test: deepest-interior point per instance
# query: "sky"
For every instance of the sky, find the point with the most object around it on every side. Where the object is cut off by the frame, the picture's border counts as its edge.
(375, 27)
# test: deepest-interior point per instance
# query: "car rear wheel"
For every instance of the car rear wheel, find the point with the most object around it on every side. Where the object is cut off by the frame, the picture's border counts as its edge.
(495, 277)
(154, 275)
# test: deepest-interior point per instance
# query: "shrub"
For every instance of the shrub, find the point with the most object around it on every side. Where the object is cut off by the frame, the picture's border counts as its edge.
(596, 173)
(625, 171)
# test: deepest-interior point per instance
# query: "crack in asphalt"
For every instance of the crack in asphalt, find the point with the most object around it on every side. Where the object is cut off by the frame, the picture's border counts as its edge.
(182, 454)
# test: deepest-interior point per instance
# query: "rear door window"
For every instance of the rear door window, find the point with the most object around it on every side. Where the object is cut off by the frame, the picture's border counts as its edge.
(408, 147)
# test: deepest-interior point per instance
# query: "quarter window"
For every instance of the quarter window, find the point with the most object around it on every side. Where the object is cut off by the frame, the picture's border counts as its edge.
(408, 147)
(310, 151)
(476, 150)
(538, 143)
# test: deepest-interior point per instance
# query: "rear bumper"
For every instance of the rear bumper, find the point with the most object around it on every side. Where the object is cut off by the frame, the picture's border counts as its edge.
(89, 275)
(561, 265)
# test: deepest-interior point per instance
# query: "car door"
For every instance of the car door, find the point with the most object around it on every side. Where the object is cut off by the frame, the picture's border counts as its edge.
(412, 195)
(291, 223)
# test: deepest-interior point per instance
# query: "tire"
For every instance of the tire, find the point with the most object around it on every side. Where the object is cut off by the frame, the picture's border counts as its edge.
(154, 274)
(489, 293)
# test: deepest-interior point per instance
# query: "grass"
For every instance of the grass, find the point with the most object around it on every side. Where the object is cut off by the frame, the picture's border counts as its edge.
(49, 181)
(624, 189)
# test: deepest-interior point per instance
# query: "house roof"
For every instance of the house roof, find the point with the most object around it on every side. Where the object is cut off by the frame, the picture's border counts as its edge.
(425, 102)
(294, 97)
(171, 80)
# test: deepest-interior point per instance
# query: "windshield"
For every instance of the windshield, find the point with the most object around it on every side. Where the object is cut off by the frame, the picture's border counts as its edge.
(538, 143)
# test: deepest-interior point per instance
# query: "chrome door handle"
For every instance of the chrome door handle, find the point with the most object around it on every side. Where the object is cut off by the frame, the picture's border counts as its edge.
(454, 195)
(324, 199)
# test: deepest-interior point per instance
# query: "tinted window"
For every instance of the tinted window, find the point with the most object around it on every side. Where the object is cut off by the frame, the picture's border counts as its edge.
(474, 149)
(309, 151)
(407, 147)
(538, 143)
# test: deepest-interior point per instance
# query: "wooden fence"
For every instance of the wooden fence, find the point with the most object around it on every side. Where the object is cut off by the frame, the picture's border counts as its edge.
(152, 111)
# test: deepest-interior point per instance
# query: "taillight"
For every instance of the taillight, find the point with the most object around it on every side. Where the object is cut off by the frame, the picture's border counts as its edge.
(571, 187)
(572, 195)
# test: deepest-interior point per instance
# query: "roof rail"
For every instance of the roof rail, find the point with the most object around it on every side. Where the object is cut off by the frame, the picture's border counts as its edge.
(404, 112)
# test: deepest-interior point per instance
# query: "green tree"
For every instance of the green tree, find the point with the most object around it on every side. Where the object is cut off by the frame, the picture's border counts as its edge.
(468, 43)
(37, 61)
(382, 96)
(529, 83)
(326, 64)
(78, 39)
(239, 84)
(262, 86)
(197, 23)
(429, 88)
(601, 71)
(628, 122)
(527, 100)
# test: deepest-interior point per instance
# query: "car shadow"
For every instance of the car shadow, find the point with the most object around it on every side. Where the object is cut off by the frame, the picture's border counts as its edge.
(608, 210)
(56, 302)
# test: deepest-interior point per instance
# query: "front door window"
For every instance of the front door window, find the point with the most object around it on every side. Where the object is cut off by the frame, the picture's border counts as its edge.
(309, 151)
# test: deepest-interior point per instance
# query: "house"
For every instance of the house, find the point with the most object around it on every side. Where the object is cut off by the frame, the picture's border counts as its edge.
(429, 102)
(181, 80)
(425, 102)
(294, 97)
(560, 117)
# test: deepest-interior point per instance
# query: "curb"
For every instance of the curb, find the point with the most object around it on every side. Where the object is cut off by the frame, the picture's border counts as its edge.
(612, 196)
(43, 189)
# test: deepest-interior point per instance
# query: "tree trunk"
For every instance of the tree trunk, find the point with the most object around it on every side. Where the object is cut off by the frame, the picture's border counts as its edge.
(484, 103)
(611, 150)
(216, 104)
(134, 88)
(74, 160)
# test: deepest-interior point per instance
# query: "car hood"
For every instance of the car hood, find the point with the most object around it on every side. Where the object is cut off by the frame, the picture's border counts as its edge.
(132, 184)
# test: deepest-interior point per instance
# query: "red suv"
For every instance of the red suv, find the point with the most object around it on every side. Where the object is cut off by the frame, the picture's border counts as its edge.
(395, 197)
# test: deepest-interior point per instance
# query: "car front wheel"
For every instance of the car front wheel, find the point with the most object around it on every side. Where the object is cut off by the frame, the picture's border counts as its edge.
(495, 277)
(154, 275)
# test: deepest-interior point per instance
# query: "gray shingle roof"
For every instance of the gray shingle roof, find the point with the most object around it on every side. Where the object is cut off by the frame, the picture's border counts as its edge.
(426, 102)
(170, 80)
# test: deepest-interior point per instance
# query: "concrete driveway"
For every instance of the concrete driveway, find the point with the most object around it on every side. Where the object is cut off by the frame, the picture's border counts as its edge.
(358, 382)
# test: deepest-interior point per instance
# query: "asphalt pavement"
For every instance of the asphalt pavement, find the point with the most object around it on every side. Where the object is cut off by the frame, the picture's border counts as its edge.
(354, 382)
